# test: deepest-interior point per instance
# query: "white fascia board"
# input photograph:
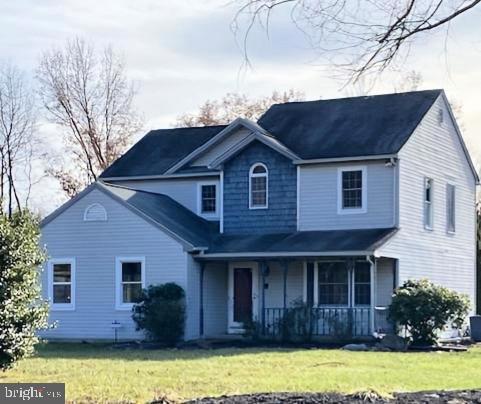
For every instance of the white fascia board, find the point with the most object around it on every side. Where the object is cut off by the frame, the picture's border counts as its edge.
(285, 254)
(345, 159)
(162, 176)
(252, 126)
(267, 140)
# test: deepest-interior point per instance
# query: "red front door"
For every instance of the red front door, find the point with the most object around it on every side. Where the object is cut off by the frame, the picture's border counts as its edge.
(242, 294)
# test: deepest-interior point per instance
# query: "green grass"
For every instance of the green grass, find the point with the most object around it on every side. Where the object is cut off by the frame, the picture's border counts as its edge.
(104, 374)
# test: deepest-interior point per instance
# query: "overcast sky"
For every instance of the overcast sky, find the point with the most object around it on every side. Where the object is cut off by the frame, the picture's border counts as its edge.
(183, 52)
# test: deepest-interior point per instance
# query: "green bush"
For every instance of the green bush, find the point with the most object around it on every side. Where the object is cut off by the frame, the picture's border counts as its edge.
(424, 309)
(22, 313)
(161, 313)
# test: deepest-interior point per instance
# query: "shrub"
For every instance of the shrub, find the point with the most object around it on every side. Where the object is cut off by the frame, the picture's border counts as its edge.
(424, 309)
(297, 323)
(22, 313)
(161, 313)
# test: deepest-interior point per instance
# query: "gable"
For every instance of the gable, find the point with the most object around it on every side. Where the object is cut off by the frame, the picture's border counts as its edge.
(159, 210)
(281, 214)
(219, 149)
(438, 137)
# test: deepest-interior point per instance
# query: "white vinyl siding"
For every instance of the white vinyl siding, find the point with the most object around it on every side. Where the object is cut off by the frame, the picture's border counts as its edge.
(435, 152)
(224, 146)
(95, 246)
(319, 199)
(183, 190)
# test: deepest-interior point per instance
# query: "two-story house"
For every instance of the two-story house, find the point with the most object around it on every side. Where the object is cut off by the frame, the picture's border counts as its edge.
(331, 202)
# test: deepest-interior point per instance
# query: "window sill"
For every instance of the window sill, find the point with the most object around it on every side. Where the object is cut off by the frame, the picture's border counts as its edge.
(355, 211)
(124, 307)
(427, 228)
(257, 207)
(60, 307)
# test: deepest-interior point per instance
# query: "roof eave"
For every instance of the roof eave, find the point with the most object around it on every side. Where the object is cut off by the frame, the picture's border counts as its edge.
(345, 159)
(296, 254)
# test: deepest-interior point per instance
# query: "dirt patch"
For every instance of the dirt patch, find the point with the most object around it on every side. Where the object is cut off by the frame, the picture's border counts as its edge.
(445, 397)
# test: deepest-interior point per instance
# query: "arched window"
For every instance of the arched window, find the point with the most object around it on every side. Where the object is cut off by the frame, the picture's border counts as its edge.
(258, 186)
(95, 213)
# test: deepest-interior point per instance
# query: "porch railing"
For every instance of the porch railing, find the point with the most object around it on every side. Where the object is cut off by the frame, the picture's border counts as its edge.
(340, 322)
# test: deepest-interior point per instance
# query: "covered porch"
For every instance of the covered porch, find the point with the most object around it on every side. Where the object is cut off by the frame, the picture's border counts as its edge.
(337, 296)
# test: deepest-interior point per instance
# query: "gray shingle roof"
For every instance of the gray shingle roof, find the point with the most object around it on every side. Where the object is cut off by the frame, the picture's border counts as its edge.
(344, 127)
(168, 213)
(303, 241)
(348, 127)
(160, 149)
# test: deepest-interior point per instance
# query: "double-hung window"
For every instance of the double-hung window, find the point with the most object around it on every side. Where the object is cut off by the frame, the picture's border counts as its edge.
(130, 277)
(428, 203)
(258, 186)
(333, 284)
(352, 190)
(207, 199)
(451, 208)
(61, 280)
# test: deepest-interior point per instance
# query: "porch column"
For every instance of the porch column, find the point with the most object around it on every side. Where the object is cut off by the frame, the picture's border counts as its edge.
(285, 269)
(263, 269)
(201, 299)
(373, 262)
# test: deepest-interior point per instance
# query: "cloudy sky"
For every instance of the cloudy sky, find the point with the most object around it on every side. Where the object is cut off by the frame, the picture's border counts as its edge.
(181, 53)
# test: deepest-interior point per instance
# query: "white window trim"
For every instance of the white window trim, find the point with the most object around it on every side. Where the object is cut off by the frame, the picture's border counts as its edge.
(86, 219)
(431, 203)
(251, 175)
(119, 305)
(199, 199)
(61, 306)
(351, 287)
(450, 184)
(349, 211)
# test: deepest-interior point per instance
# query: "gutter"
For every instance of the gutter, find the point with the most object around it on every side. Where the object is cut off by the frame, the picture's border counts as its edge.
(345, 159)
(162, 176)
(283, 254)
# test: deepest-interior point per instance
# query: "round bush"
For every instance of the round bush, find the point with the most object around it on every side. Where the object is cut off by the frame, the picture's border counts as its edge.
(425, 309)
(161, 313)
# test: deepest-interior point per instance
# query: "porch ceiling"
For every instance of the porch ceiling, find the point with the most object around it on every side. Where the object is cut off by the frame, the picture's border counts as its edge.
(315, 242)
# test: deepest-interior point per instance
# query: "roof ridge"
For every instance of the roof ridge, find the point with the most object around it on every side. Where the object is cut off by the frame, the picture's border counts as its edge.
(434, 90)
(188, 127)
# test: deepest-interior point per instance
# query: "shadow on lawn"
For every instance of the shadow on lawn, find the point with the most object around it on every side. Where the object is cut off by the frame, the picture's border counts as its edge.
(64, 350)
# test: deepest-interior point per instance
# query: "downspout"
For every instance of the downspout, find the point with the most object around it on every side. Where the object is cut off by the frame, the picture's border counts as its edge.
(221, 202)
(373, 262)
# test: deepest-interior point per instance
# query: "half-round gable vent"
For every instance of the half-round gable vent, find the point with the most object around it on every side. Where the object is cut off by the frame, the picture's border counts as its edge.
(95, 213)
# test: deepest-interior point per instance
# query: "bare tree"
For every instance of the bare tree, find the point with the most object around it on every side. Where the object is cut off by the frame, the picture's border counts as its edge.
(234, 105)
(362, 36)
(18, 143)
(86, 93)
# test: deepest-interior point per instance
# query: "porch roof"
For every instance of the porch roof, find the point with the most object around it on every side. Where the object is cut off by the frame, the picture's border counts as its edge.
(327, 242)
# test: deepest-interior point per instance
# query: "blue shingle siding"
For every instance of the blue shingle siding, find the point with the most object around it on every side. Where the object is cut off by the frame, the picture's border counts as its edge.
(280, 216)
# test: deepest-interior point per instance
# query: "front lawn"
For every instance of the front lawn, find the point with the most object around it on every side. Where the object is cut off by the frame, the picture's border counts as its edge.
(100, 373)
